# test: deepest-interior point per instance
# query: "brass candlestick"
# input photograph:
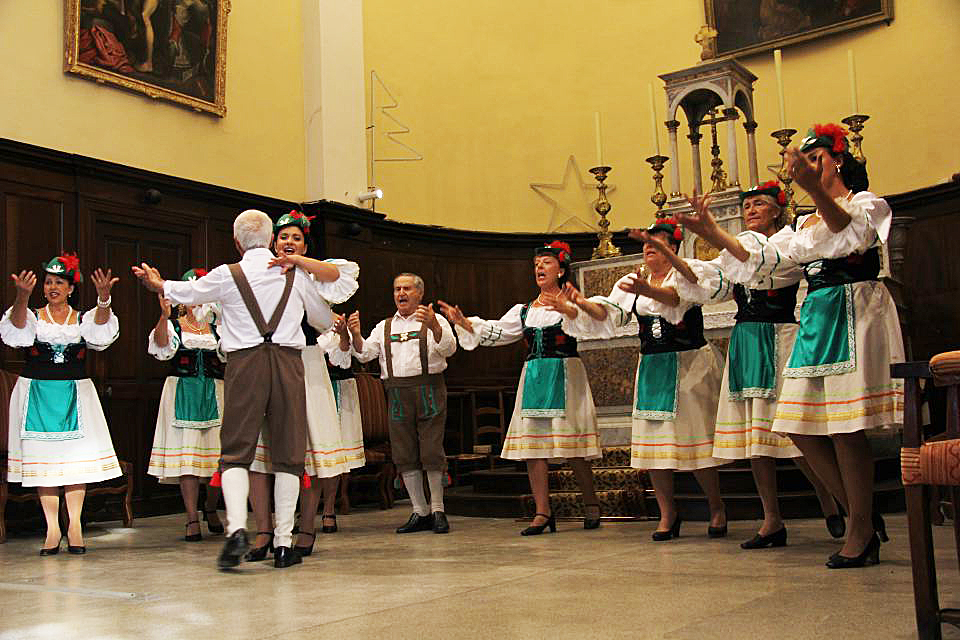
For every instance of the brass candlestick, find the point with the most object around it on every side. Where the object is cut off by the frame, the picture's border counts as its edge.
(855, 122)
(659, 197)
(783, 137)
(605, 248)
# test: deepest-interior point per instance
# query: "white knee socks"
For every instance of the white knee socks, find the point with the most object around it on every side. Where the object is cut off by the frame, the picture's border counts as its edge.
(236, 486)
(435, 480)
(286, 489)
(413, 481)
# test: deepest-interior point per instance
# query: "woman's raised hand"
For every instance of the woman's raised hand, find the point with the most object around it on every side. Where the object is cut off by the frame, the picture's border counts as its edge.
(284, 261)
(700, 221)
(637, 284)
(805, 173)
(165, 306)
(455, 316)
(103, 281)
(24, 282)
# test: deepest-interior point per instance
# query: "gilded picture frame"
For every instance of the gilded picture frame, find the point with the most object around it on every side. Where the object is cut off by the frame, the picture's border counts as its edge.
(746, 27)
(173, 50)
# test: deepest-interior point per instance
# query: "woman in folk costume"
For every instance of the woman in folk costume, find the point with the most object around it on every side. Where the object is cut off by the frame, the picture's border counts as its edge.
(554, 416)
(328, 455)
(837, 382)
(58, 433)
(677, 382)
(335, 343)
(186, 442)
(752, 269)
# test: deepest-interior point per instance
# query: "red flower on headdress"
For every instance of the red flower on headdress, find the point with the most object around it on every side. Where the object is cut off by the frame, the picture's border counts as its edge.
(563, 250)
(835, 132)
(677, 231)
(773, 184)
(298, 215)
(70, 261)
(200, 272)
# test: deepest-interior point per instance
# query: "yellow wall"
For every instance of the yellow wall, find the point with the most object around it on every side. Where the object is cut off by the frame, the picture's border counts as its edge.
(258, 147)
(498, 94)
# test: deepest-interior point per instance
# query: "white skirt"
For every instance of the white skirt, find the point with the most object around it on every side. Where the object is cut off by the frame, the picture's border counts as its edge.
(686, 442)
(574, 435)
(745, 427)
(183, 452)
(351, 425)
(865, 398)
(327, 453)
(56, 463)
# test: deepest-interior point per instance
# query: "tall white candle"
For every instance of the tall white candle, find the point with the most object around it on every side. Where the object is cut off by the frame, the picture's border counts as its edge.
(852, 69)
(596, 123)
(654, 137)
(778, 66)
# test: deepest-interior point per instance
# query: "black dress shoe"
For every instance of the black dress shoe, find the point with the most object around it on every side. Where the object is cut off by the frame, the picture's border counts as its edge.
(717, 532)
(836, 525)
(328, 528)
(588, 522)
(213, 528)
(307, 549)
(52, 551)
(259, 553)
(417, 522)
(233, 549)
(537, 529)
(672, 532)
(776, 539)
(869, 555)
(440, 524)
(284, 557)
(880, 527)
(193, 537)
(77, 550)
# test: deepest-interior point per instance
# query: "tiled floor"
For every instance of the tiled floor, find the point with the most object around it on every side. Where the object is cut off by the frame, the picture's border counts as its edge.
(480, 581)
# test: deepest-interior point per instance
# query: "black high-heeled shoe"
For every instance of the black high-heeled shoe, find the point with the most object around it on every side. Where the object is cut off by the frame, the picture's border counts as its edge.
(717, 532)
(880, 526)
(836, 525)
(776, 539)
(308, 549)
(259, 553)
(214, 528)
(870, 555)
(672, 532)
(331, 528)
(537, 529)
(192, 537)
(591, 523)
(50, 551)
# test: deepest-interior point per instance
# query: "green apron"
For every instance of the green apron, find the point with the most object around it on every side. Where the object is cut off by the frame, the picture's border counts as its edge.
(752, 361)
(826, 343)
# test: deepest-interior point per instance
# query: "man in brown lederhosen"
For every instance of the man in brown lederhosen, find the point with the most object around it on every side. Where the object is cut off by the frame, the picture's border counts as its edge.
(413, 347)
(263, 382)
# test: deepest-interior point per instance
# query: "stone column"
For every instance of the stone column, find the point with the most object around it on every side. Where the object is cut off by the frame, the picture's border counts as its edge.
(694, 138)
(751, 129)
(675, 150)
(733, 166)
(334, 100)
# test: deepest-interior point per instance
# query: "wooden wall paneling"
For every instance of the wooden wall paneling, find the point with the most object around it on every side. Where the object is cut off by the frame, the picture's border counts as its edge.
(37, 224)
(129, 379)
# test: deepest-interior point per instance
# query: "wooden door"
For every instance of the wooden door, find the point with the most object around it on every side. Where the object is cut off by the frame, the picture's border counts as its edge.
(128, 378)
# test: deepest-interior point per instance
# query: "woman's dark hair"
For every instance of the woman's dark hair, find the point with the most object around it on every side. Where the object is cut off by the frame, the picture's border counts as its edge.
(547, 251)
(852, 172)
(307, 239)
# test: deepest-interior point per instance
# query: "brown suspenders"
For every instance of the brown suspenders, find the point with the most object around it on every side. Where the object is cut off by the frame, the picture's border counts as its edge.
(388, 353)
(253, 307)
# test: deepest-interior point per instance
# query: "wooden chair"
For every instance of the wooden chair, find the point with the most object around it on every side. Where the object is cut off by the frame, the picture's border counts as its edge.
(924, 464)
(376, 438)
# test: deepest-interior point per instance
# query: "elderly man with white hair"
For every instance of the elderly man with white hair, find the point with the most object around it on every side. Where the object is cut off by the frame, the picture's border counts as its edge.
(263, 382)
(413, 346)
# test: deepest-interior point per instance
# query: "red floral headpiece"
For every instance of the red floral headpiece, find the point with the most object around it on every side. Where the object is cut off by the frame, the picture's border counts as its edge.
(200, 271)
(668, 224)
(559, 249)
(70, 261)
(830, 136)
(769, 188)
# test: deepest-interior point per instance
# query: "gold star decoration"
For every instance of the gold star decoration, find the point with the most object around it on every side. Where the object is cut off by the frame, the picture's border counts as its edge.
(572, 200)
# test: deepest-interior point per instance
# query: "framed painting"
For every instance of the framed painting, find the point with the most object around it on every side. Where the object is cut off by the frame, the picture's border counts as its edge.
(167, 49)
(751, 26)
